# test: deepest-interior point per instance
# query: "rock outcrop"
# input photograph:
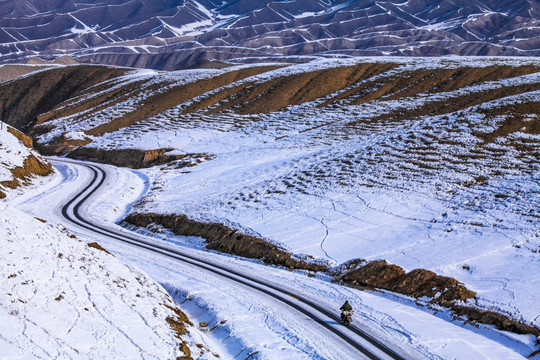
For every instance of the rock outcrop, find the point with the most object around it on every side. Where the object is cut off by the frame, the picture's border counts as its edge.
(416, 283)
(135, 158)
(33, 164)
(222, 238)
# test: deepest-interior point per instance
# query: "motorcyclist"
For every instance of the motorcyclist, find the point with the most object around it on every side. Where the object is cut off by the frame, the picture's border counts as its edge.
(346, 312)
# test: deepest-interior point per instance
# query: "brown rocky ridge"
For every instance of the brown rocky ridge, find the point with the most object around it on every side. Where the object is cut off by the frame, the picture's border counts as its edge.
(222, 238)
(134, 158)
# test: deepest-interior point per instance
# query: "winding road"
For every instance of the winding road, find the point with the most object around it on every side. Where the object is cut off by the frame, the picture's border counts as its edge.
(365, 345)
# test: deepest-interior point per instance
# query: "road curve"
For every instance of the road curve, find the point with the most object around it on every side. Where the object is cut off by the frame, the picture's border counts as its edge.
(368, 346)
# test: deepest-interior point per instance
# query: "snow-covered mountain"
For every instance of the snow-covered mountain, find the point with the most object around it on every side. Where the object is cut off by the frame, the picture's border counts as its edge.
(178, 33)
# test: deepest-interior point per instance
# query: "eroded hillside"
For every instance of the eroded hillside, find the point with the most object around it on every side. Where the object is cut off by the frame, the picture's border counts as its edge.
(180, 34)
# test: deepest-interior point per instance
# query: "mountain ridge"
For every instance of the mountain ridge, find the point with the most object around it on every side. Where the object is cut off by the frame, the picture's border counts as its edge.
(178, 33)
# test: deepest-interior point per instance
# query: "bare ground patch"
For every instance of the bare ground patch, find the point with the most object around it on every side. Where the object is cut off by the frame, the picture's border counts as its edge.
(33, 95)
(431, 81)
(222, 238)
(136, 158)
(32, 166)
(458, 103)
(297, 89)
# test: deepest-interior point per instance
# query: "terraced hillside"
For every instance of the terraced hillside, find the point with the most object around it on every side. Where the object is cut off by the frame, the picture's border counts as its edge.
(425, 163)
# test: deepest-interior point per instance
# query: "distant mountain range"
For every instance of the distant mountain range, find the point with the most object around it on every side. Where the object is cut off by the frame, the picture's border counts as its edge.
(174, 34)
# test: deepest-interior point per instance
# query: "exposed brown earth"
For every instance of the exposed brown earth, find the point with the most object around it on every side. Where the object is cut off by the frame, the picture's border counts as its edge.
(281, 92)
(61, 145)
(178, 324)
(412, 83)
(133, 158)
(10, 72)
(96, 103)
(222, 238)
(61, 60)
(160, 102)
(417, 283)
(68, 91)
(500, 321)
(33, 95)
(458, 103)
(96, 245)
(523, 117)
(26, 140)
(32, 166)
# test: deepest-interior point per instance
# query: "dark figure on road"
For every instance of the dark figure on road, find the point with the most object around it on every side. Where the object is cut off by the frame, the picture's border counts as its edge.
(346, 313)
(346, 306)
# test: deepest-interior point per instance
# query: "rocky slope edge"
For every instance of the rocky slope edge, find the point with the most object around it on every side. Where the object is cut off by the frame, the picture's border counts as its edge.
(19, 162)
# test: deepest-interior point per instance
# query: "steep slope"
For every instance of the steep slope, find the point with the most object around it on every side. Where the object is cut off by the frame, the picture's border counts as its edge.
(176, 34)
(32, 95)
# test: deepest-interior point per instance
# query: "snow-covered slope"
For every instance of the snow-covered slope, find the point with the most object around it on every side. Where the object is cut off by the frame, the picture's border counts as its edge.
(61, 297)
(175, 34)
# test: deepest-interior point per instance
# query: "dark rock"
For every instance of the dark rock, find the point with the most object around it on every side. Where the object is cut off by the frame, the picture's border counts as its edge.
(377, 274)
(222, 238)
